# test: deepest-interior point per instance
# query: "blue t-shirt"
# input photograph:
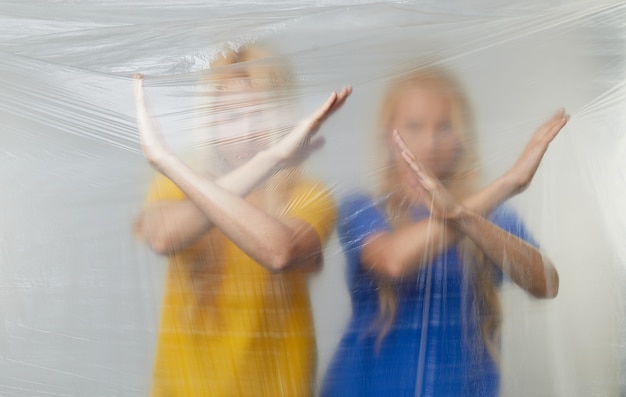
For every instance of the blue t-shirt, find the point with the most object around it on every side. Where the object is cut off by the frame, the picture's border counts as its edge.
(433, 347)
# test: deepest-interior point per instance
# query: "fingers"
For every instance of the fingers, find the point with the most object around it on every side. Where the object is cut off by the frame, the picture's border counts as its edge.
(412, 163)
(409, 158)
(400, 143)
(559, 120)
(416, 185)
(325, 108)
(341, 99)
(334, 102)
(342, 96)
(138, 86)
(559, 114)
(553, 126)
(427, 182)
(425, 179)
(138, 80)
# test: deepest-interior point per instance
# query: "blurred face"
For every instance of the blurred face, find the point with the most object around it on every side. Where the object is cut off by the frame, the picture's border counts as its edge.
(242, 125)
(423, 118)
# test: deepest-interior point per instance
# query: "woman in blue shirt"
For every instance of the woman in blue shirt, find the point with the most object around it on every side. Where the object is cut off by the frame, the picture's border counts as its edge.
(425, 258)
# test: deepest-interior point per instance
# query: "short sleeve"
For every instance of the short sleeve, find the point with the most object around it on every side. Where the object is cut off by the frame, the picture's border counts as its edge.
(507, 219)
(359, 218)
(312, 203)
(163, 189)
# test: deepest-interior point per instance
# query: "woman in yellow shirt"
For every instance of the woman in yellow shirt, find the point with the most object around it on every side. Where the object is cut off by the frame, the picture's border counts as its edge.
(236, 316)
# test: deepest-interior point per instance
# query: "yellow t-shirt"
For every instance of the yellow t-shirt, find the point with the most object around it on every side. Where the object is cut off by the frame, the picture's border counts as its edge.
(253, 333)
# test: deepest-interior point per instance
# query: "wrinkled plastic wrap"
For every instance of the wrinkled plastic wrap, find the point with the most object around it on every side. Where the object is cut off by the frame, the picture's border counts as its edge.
(81, 294)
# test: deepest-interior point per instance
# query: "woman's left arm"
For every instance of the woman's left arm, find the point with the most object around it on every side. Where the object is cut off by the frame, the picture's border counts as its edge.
(524, 263)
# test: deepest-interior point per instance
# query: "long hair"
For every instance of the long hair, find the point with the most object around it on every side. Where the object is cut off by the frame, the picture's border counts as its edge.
(462, 181)
(249, 72)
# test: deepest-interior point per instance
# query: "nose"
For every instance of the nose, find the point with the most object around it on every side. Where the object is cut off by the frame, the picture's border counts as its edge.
(237, 129)
(430, 141)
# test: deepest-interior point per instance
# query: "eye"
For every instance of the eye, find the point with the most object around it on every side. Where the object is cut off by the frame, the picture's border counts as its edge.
(413, 127)
(445, 128)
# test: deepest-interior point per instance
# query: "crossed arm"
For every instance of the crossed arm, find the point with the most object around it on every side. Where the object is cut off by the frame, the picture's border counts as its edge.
(409, 248)
(275, 243)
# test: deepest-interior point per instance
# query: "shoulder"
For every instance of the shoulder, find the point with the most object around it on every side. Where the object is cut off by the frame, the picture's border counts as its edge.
(163, 189)
(313, 203)
(313, 194)
(507, 218)
(504, 215)
(357, 202)
(359, 216)
(310, 187)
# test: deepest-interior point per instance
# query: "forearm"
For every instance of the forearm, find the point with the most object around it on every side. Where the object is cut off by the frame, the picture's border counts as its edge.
(414, 246)
(272, 243)
(264, 238)
(521, 261)
(171, 226)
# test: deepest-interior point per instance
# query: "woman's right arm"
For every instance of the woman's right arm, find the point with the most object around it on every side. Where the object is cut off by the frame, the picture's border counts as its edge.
(408, 248)
(169, 226)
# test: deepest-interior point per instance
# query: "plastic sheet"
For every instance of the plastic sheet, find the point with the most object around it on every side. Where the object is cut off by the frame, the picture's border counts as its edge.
(81, 296)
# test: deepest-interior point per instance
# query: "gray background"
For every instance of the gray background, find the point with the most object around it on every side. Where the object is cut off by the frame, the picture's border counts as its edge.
(80, 296)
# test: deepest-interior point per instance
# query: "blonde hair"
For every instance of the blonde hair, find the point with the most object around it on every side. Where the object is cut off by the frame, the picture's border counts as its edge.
(261, 70)
(462, 182)
(258, 72)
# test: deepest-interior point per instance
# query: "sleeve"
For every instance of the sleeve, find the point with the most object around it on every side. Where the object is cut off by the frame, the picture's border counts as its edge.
(312, 203)
(507, 219)
(359, 218)
(163, 189)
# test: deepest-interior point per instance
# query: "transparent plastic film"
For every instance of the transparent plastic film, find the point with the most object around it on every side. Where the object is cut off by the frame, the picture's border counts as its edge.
(326, 198)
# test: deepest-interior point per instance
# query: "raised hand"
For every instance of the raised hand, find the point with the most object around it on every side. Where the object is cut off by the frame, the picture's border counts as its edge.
(442, 204)
(152, 143)
(296, 146)
(526, 165)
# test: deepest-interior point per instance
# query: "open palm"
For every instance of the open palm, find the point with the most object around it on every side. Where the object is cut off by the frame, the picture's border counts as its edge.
(300, 142)
(442, 204)
(152, 142)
